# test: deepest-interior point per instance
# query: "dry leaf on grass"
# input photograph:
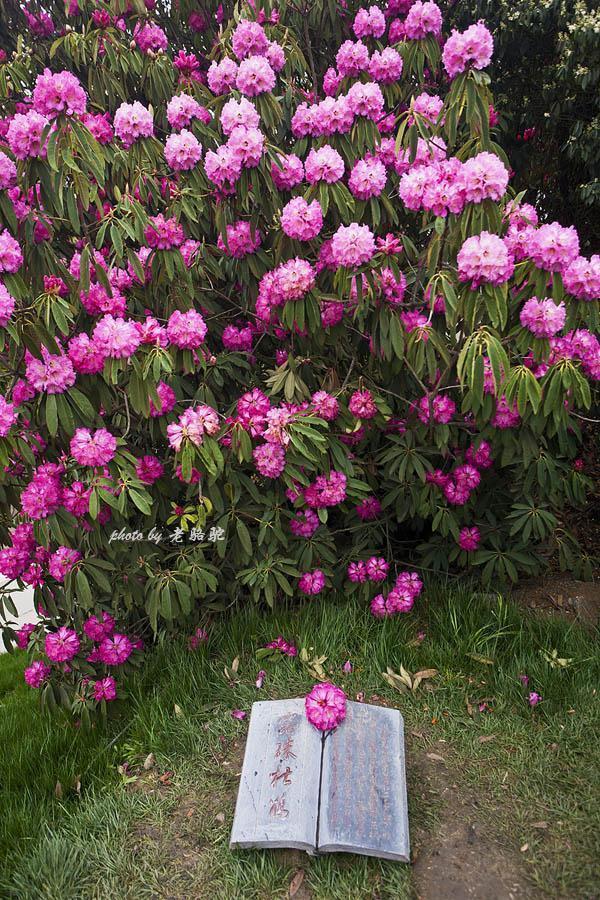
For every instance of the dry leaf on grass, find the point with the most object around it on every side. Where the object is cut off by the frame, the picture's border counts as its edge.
(296, 883)
(484, 738)
(149, 762)
(404, 681)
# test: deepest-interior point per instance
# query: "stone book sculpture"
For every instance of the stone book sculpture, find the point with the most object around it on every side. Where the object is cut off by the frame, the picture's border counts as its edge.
(342, 792)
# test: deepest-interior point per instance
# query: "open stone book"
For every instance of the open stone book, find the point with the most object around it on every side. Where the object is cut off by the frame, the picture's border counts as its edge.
(345, 791)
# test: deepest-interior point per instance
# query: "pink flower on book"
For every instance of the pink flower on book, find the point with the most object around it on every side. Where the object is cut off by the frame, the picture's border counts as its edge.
(325, 706)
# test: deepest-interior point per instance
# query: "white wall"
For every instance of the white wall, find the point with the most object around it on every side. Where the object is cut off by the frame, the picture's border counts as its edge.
(24, 603)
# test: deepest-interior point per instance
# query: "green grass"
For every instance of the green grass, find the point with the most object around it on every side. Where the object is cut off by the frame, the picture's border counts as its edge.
(147, 839)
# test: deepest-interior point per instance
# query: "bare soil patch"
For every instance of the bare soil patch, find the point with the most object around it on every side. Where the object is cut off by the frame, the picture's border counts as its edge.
(459, 859)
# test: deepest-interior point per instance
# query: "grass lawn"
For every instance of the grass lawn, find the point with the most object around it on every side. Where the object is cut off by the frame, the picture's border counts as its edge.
(511, 792)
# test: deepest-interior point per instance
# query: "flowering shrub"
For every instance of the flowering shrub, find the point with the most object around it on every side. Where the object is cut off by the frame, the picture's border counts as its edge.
(268, 330)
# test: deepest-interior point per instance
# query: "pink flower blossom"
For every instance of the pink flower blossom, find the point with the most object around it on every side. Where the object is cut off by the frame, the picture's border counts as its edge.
(269, 459)
(301, 220)
(200, 636)
(61, 645)
(115, 650)
(105, 689)
(369, 22)
(186, 330)
(56, 93)
(469, 538)
(534, 698)
(367, 179)
(324, 164)
(183, 109)
(192, 425)
(52, 374)
(484, 258)
(473, 47)
(11, 258)
(93, 449)
(352, 245)
(133, 121)
(62, 561)
(182, 151)
(325, 706)
(423, 19)
(116, 337)
(242, 240)
(97, 628)
(255, 76)
(24, 135)
(312, 583)
(544, 318)
(37, 673)
(287, 172)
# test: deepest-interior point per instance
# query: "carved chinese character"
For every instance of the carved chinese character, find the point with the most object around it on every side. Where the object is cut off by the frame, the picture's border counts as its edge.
(278, 808)
(283, 749)
(279, 775)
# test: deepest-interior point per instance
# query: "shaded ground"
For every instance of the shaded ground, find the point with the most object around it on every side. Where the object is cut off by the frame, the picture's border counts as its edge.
(563, 596)
(460, 859)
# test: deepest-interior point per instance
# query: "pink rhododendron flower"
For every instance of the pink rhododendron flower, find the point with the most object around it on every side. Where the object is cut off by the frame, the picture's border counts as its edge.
(116, 337)
(105, 689)
(241, 240)
(97, 628)
(325, 706)
(61, 645)
(149, 37)
(200, 636)
(423, 19)
(312, 583)
(484, 258)
(367, 179)
(581, 278)
(52, 374)
(183, 109)
(8, 416)
(553, 247)
(133, 121)
(182, 151)
(114, 650)
(56, 93)
(11, 257)
(269, 459)
(287, 172)
(255, 76)
(37, 673)
(544, 318)
(260, 679)
(93, 449)
(469, 538)
(534, 698)
(324, 164)
(186, 330)
(473, 47)
(192, 425)
(62, 561)
(24, 135)
(8, 172)
(352, 245)
(369, 22)
(283, 646)
(301, 220)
